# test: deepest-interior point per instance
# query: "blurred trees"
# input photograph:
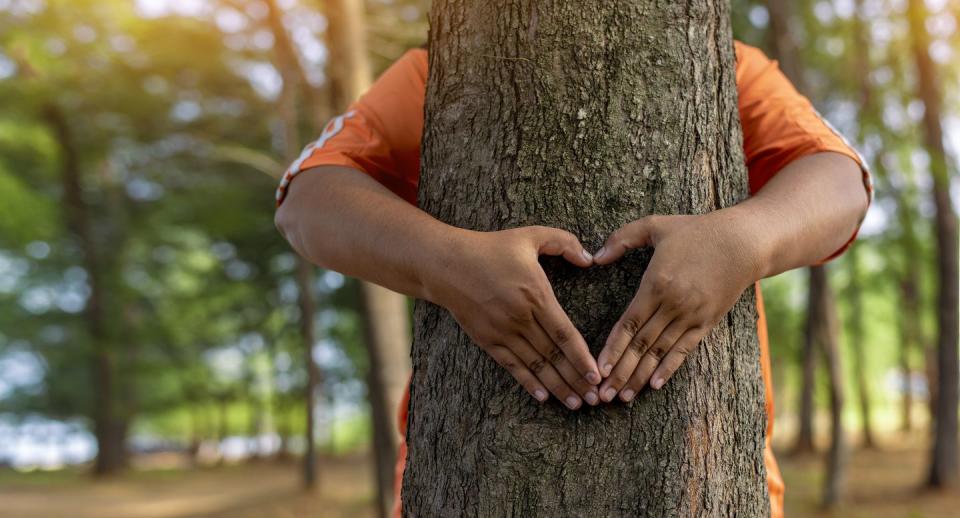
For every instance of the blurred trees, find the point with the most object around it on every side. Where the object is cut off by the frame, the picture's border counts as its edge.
(145, 292)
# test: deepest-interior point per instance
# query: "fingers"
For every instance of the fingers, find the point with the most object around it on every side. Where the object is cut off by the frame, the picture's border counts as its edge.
(641, 308)
(553, 241)
(652, 358)
(636, 234)
(562, 333)
(684, 346)
(545, 373)
(549, 350)
(636, 348)
(519, 371)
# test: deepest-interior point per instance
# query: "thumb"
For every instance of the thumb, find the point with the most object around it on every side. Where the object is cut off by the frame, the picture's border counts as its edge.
(553, 241)
(636, 234)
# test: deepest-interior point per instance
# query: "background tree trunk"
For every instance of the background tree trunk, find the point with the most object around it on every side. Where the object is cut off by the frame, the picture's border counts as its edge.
(821, 310)
(785, 50)
(293, 78)
(804, 443)
(385, 314)
(855, 298)
(823, 331)
(855, 288)
(108, 430)
(582, 116)
(944, 461)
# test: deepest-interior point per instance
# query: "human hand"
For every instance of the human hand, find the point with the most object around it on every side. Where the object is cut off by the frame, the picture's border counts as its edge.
(497, 291)
(700, 266)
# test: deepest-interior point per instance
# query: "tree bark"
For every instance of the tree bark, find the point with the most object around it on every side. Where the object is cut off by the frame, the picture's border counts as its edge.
(944, 460)
(109, 429)
(582, 116)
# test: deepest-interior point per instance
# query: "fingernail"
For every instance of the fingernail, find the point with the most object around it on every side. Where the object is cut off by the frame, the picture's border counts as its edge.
(540, 395)
(591, 397)
(586, 255)
(593, 378)
(600, 253)
(609, 394)
(606, 369)
(627, 395)
(573, 402)
(656, 383)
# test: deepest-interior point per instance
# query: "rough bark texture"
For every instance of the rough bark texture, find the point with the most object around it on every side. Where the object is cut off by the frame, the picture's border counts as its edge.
(944, 467)
(582, 116)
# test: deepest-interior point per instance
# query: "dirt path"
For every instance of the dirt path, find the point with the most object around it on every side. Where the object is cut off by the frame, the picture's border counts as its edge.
(257, 490)
(880, 484)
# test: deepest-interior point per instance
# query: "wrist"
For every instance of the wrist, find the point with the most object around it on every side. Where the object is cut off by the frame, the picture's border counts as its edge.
(439, 261)
(747, 231)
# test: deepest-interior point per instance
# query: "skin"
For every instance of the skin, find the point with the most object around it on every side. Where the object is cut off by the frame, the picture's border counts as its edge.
(493, 285)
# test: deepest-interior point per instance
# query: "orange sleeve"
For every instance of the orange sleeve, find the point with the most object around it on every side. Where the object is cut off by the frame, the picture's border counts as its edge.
(379, 134)
(780, 125)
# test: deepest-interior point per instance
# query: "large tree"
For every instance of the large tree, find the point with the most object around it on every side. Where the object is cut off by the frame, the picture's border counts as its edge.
(945, 463)
(582, 116)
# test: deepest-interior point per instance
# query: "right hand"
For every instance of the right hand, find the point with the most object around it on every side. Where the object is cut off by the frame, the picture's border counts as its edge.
(497, 291)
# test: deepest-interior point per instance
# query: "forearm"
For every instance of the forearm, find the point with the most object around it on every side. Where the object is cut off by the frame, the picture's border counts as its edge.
(343, 220)
(805, 213)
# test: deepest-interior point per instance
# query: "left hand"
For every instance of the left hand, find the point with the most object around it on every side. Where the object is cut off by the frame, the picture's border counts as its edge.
(700, 266)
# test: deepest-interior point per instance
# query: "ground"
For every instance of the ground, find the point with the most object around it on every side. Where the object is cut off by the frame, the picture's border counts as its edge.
(880, 484)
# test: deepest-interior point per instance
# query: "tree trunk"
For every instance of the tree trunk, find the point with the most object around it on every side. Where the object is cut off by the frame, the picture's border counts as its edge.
(582, 116)
(386, 329)
(823, 318)
(821, 312)
(944, 460)
(804, 443)
(77, 216)
(785, 50)
(855, 288)
(307, 310)
(293, 76)
(385, 314)
(855, 296)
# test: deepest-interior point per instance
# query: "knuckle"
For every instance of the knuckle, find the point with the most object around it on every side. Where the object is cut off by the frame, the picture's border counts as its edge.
(661, 283)
(536, 366)
(561, 336)
(640, 343)
(556, 356)
(659, 350)
(630, 325)
(618, 379)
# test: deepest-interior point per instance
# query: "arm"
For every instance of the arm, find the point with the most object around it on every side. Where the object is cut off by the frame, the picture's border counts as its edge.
(491, 282)
(703, 263)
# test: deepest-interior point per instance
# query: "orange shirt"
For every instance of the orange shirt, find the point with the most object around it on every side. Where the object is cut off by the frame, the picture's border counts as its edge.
(380, 136)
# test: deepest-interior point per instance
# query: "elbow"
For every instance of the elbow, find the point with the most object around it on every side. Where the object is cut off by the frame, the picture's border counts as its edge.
(284, 221)
(290, 222)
